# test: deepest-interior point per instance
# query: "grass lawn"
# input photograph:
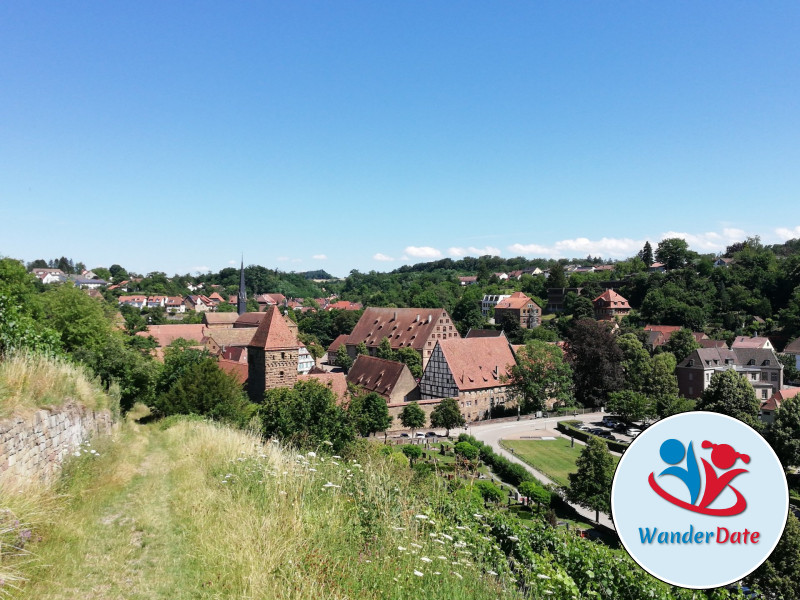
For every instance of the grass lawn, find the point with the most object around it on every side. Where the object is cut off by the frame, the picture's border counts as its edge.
(554, 458)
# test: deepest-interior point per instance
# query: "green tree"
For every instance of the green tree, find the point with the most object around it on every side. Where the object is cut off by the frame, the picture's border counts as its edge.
(582, 308)
(636, 362)
(540, 374)
(178, 357)
(361, 348)
(673, 252)
(413, 452)
(385, 350)
(779, 575)
(466, 451)
(681, 343)
(646, 254)
(489, 492)
(730, 394)
(78, 318)
(369, 413)
(118, 273)
(535, 492)
(412, 416)
(596, 361)
(590, 485)
(343, 358)
(661, 384)
(631, 406)
(205, 389)
(446, 414)
(306, 415)
(412, 359)
(556, 277)
(784, 432)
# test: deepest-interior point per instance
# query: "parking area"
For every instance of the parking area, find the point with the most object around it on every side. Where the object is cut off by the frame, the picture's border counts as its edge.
(614, 429)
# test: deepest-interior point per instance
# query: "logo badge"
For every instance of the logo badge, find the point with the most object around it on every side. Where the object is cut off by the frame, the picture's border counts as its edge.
(699, 500)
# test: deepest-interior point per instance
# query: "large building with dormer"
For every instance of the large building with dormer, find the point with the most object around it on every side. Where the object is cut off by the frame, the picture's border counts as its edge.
(471, 370)
(759, 366)
(272, 356)
(417, 328)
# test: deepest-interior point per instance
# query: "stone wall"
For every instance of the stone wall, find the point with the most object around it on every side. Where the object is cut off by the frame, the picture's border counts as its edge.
(33, 447)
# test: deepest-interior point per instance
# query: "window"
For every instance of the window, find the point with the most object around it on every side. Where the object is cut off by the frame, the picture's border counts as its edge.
(774, 376)
(690, 363)
(764, 394)
(283, 355)
(691, 376)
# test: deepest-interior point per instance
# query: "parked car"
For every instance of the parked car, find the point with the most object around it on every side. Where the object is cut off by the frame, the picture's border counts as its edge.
(609, 422)
(420, 435)
(608, 435)
(584, 427)
(633, 431)
(431, 434)
(596, 431)
(403, 435)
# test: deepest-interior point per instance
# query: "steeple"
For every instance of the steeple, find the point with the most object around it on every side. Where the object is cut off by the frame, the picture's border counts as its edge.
(241, 303)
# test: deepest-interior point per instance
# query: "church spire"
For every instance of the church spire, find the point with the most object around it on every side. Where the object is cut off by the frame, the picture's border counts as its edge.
(241, 303)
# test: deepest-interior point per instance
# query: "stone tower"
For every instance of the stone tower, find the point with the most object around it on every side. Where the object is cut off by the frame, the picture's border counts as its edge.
(271, 356)
(241, 302)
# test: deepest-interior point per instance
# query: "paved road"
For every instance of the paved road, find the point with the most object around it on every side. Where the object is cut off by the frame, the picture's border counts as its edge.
(492, 433)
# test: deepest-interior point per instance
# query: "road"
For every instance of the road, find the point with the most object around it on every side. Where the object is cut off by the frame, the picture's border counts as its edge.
(492, 433)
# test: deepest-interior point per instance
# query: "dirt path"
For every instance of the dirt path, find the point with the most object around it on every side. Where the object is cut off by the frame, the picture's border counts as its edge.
(119, 538)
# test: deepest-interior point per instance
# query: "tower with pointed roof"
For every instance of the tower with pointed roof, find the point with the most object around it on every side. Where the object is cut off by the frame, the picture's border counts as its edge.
(241, 301)
(271, 356)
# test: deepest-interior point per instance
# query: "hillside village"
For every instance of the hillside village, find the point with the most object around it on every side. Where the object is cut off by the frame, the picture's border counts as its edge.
(596, 351)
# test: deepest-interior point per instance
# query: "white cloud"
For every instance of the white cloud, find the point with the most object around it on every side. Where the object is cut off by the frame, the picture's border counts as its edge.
(784, 233)
(473, 251)
(382, 257)
(580, 247)
(710, 241)
(320, 257)
(231, 262)
(202, 269)
(423, 252)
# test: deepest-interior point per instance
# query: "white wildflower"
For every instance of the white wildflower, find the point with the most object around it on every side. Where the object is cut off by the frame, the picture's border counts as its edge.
(440, 557)
(478, 515)
(425, 559)
(513, 538)
(461, 527)
(401, 548)
(457, 575)
(417, 573)
(416, 545)
(421, 517)
(447, 537)
(312, 454)
(542, 576)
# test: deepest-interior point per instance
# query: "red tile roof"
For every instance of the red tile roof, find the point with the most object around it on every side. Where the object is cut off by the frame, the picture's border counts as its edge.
(612, 299)
(224, 337)
(250, 319)
(516, 301)
(220, 319)
(793, 347)
(376, 374)
(273, 333)
(166, 334)
(237, 369)
(405, 327)
(342, 339)
(344, 305)
(336, 382)
(667, 330)
(743, 341)
(477, 363)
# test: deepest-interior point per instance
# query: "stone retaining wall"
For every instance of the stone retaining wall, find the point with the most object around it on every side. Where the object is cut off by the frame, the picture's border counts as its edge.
(33, 447)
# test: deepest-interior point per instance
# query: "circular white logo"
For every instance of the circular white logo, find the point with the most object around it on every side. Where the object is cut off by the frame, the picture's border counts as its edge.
(699, 500)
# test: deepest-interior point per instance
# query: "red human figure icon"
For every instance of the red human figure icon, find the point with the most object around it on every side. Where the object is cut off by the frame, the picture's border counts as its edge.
(724, 457)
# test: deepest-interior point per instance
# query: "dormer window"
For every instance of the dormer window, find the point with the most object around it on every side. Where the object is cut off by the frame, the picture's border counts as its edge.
(751, 361)
(690, 363)
(766, 363)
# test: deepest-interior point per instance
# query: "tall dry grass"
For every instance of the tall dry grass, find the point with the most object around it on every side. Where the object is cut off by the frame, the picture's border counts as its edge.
(30, 381)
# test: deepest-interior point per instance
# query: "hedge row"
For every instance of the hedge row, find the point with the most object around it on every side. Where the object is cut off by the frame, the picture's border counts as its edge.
(509, 472)
(569, 428)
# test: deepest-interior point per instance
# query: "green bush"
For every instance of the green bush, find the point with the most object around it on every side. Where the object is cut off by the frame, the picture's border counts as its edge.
(489, 491)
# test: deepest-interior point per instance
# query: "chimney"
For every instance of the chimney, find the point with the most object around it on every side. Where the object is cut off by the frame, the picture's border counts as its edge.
(394, 318)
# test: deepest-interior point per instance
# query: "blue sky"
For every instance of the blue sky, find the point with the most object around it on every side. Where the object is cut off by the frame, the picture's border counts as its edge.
(176, 136)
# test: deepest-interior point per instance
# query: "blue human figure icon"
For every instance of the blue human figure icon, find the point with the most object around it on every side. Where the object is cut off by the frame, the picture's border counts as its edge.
(672, 453)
